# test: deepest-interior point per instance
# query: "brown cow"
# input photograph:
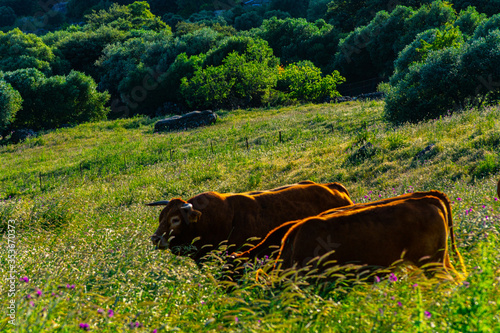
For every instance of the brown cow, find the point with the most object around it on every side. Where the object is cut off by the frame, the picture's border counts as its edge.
(378, 233)
(214, 217)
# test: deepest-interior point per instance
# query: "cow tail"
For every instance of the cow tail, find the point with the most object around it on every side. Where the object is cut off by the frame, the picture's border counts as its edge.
(452, 235)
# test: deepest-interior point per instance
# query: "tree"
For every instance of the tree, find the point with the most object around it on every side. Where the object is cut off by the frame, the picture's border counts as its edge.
(10, 104)
(22, 8)
(83, 48)
(296, 39)
(296, 8)
(468, 20)
(133, 16)
(7, 16)
(369, 51)
(20, 50)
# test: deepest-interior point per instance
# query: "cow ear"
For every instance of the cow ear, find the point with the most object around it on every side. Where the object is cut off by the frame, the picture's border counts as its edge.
(194, 216)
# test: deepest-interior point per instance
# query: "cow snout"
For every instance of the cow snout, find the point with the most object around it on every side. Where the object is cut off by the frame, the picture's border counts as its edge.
(155, 239)
(160, 242)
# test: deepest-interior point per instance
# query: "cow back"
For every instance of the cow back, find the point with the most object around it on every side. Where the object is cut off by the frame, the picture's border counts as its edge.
(376, 235)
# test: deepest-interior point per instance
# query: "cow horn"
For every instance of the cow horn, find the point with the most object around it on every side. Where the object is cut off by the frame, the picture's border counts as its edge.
(187, 206)
(158, 203)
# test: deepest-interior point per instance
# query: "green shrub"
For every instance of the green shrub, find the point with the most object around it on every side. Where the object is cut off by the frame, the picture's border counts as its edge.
(448, 79)
(429, 89)
(10, 104)
(303, 81)
(429, 40)
(57, 100)
(493, 23)
(240, 81)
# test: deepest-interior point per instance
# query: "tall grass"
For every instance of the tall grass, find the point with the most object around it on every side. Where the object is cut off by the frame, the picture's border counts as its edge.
(78, 197)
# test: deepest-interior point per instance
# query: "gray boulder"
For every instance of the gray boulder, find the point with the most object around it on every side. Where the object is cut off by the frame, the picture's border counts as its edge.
(189, 120)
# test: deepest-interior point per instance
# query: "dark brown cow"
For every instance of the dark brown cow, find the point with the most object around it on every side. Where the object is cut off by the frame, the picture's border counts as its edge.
(214, 217)
(414, 225)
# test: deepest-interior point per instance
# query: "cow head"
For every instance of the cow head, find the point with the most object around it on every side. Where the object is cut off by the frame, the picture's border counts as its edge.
(176, 224)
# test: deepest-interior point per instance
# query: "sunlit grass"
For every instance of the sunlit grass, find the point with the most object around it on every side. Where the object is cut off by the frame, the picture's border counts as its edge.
(78, 197)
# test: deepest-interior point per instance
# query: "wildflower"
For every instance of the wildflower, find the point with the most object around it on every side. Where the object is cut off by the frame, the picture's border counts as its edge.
(377, 279)
(39, 293)
(236, 320)
(100, 310)
(111, 313)
(70, 286)
(202, 302)
(393, 277)
(155, 331)
(400, 304)
(24, 279)
(381, 311)
(415, 285)
(459, 199)
(496, 199)
(28, 296)
(84, 326)
(427, 314)
(32, 303)
(466, 284)
(135, 325)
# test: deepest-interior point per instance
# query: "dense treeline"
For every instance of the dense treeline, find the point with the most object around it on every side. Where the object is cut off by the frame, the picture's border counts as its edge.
(160, 57)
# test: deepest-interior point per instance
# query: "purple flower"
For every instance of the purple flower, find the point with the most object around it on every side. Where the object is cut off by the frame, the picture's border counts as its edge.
(84, 326)
(415, 285)
(155, 331)
(393, 277)
(496, 199)
(459, 199)
(39, 292)
(466, 284)
(381, 311)
(236, 320)
(28, 296)
(202, 302)
(377, 279)
(400, 304)
(111, 313)
(24, 279)
(32, 303)
(70, 286)
(100, 310)
(427, 314)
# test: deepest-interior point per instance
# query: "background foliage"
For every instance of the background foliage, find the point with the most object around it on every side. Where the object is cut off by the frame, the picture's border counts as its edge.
(157, 58)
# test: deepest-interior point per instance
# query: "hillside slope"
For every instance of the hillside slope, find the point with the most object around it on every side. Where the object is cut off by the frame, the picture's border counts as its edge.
(78, 194)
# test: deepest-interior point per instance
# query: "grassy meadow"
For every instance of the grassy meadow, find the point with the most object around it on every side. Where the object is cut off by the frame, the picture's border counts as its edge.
(85, 263)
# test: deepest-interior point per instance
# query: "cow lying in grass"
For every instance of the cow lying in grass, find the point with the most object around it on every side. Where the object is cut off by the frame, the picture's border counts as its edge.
(413, 227)
(210, 218)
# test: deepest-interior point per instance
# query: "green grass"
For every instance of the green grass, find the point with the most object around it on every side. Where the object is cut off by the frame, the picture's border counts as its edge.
(78, 197)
